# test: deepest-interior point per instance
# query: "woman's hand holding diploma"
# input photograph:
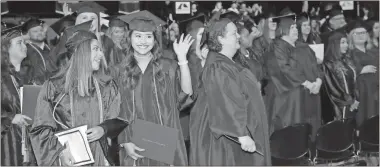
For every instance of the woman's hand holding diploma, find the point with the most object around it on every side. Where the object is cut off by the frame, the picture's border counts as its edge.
(131, 150)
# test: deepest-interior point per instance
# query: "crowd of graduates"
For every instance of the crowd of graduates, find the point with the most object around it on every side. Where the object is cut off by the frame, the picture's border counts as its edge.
(225, 79)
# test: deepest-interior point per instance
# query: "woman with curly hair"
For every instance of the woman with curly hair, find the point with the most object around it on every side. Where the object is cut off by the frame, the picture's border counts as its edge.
(228, 123)
(13, 52)
(153, 88)
(340, 77)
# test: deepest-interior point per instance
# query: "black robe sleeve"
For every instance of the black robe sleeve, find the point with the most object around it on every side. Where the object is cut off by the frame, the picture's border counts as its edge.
(113, 126)
(8, 107)
(46, 145)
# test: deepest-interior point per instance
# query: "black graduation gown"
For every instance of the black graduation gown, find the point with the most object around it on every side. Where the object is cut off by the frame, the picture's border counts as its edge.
(368, 84)
(229, 105)
(259, 47)
(41, 64)
(256, 64)
(340, 88)
(171, 100)
(45, 144)
(287, 101)
(10, 133)
(195, 67)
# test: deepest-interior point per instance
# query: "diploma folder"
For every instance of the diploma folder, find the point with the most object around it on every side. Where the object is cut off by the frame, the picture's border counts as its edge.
(29, 96)
(76, 140)
(159, 142)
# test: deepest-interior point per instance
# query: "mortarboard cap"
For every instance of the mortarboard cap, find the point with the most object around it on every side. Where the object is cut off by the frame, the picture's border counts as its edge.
(193, 23)
(286, 11)
(87, 7)
(31, 23)
(8, 30)
(325, 36)
(77, 38)
(278, 19)
(84, 26)
(63, 23)
(284, 22)
(5, 25)
(143, 21)
(116, 22)
(357, 24)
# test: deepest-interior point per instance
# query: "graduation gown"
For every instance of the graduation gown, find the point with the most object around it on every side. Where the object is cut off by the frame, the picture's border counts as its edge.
(45, 144)
(339, 84)
(287, 101)
(229, 105)
(255, 64)
(195, 67)
(171, 100)
(40, 62)
(10, 133)
(259, 47)
(368, 84)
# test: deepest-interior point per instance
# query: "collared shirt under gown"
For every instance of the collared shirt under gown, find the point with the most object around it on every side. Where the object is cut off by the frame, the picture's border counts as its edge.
(287, 101)
(171, 100)
(368, 84)
(86, 112)
(229, 105)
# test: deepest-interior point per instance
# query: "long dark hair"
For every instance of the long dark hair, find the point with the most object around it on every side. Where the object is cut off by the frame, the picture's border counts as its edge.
(79, 73)
(131, 73)
(334, 55)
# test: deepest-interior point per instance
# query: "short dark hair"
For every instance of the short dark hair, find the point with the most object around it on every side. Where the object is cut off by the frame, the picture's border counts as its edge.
(213, 42)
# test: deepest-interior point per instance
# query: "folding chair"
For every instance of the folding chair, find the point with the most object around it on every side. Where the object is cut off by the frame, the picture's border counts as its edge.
(290, 145)
(335, 141)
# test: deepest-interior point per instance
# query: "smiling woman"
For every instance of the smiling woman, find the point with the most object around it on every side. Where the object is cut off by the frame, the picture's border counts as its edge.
(80, 95)
(13, 51)
(153, 88)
